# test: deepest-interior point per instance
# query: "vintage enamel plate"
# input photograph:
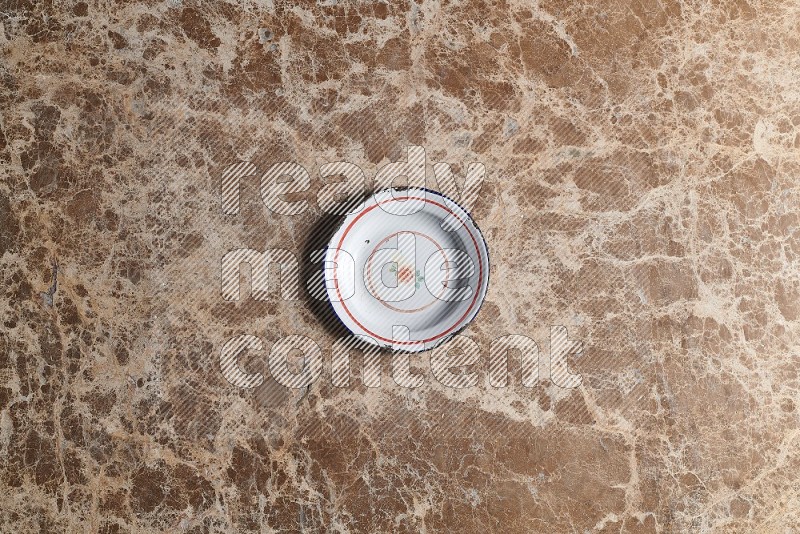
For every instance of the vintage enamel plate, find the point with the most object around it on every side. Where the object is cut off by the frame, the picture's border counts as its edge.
(408, 270)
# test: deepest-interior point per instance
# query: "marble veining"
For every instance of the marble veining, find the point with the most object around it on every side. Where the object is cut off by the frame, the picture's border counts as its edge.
(642, 161)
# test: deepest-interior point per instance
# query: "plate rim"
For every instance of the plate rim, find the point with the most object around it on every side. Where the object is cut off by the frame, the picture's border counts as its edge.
(420, 345)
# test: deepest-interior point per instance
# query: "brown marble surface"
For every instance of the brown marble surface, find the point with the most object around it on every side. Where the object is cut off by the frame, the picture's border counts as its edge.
(642, 190)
